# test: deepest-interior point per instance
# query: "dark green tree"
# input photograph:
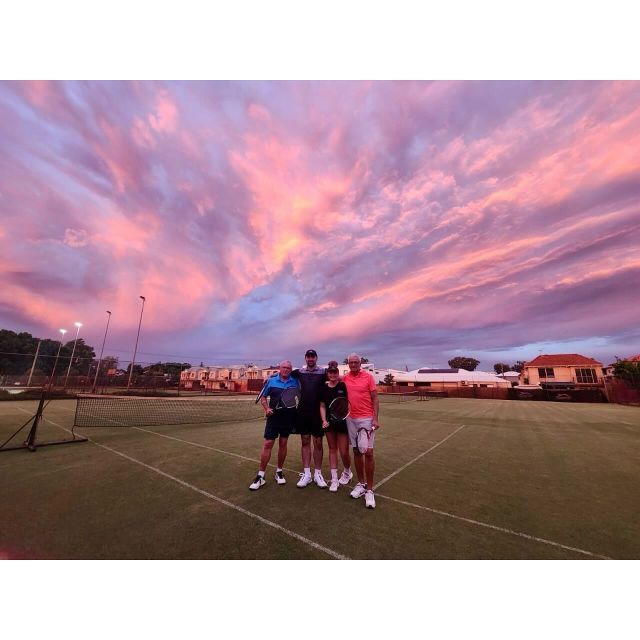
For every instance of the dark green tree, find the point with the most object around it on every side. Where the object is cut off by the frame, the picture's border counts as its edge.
(363, 360)
(518, 366)
(137, 369)
(463, 362)
(627, 371)
(17, 351)
(389, 379)
(501, 367)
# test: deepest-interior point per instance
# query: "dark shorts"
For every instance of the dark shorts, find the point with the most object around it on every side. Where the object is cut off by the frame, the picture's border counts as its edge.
(310, 424)
(337, 427)
(279, 425)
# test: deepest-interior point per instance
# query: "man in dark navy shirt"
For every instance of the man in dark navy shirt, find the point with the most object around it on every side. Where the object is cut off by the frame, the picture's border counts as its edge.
(279, 423)
(309, 424)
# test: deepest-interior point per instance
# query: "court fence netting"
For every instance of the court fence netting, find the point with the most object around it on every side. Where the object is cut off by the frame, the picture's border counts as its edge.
(404, 396)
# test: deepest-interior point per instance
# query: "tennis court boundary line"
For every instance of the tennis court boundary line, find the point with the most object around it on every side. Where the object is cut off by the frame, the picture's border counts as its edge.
(445, 514)
(424, 453)
(197, 444)
(397, 500)
(496, 528)
(275, 525)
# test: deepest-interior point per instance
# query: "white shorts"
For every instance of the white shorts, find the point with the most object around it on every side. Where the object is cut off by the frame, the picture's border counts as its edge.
(354, 425)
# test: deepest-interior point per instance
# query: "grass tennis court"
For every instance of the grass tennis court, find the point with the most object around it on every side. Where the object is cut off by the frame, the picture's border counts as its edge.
(457, 478)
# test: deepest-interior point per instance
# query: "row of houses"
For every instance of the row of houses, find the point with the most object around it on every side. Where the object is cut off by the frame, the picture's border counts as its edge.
(553, 371)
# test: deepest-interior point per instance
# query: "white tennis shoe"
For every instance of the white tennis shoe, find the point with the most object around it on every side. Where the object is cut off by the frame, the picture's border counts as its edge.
(319, 480)
(369, 500)
(257, 483)
(359, 491)
(305, 479)
(334, 485)
(280, 479)
(346, 476)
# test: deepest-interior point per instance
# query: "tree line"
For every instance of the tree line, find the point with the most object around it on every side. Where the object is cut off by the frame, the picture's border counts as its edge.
(470, 364)
(17, 351)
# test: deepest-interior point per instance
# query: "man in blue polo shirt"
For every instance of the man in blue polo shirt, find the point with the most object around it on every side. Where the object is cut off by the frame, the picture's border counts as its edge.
(279, 423)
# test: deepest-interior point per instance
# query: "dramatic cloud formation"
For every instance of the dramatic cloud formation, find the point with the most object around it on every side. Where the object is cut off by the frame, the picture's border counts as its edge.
(410, 221)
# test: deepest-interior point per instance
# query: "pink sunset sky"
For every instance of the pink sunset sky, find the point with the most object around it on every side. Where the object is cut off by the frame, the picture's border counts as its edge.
(408, 221)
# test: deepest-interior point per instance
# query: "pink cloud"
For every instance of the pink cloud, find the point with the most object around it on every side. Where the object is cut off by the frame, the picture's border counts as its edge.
(351, 210)
(165, 117)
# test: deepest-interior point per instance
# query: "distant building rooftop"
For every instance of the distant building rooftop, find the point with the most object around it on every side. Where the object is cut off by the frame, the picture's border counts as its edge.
(562, 360)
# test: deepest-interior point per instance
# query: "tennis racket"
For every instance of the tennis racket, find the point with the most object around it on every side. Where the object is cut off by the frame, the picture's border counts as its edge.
(339, 409)
(363, 437)
(289, 399)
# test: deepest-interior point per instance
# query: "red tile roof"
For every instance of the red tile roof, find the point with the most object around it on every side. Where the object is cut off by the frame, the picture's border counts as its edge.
(562, 360)
(633, 358)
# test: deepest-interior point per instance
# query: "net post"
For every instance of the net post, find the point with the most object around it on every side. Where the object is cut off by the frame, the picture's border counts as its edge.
(30, 442)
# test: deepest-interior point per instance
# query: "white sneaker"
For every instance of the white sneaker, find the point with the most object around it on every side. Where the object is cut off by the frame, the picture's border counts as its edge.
(369, 500)
(346, 476)
(257, 483)
(280, 479)
(334, 485)
(319, 480)
(305, 479)
(359, 491)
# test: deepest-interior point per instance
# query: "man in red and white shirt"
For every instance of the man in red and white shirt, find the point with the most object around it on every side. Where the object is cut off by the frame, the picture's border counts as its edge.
(364, 407)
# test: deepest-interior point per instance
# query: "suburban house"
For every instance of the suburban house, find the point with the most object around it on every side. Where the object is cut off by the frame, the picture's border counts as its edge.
(512, 376)
(442, 379)
(563, 371)
(234, 378)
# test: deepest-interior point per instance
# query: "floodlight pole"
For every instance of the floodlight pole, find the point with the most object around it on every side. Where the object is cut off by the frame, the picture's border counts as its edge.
(75, 344)
(33, 366)
(55, 363)
(136, 347)
(95, 380)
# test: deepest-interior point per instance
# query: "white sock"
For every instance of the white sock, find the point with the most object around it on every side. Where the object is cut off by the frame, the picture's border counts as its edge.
(261, 474)
(307, 471)
(334, 474)
(278, 469)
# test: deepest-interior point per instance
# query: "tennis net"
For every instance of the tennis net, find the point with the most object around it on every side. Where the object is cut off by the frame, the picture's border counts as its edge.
(128, 411)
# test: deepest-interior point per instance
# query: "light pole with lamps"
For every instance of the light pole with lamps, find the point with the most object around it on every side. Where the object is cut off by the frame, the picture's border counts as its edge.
(75, 342)
(55, 363)
(135, 349)
(95, 380)
(33, 366)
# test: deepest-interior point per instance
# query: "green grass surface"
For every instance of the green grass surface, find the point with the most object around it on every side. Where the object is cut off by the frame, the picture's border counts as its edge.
(459, 479)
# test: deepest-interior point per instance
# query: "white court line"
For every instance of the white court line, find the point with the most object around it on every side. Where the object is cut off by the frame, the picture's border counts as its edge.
(424, 453)
(496, 528)
(197, 444)
(445, 514)
(202, 446)
(292, 534)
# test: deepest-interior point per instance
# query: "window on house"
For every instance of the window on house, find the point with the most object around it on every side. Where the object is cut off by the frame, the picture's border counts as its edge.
(586, 375)
(545, 373)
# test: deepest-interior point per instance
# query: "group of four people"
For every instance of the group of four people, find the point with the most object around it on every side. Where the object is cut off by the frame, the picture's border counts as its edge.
(311, 420)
